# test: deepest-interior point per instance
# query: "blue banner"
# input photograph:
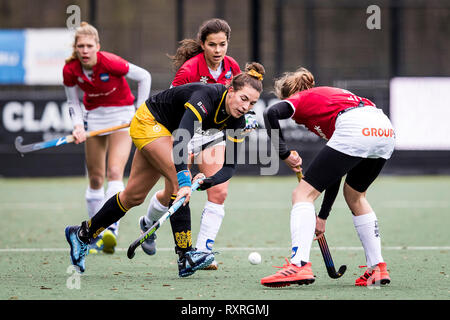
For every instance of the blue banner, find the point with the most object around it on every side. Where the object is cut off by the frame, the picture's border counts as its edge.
(12, 52)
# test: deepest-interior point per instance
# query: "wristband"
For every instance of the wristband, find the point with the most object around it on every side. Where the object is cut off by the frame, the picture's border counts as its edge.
(184, 178)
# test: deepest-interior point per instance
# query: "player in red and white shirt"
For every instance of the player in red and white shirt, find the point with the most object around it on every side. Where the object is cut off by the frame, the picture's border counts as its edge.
(202, 60)
(360, 140)
(108, 102)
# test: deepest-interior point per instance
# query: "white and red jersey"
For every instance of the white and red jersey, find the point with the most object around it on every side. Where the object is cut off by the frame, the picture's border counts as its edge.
(107, 86)
(317, 108)
(196, 70)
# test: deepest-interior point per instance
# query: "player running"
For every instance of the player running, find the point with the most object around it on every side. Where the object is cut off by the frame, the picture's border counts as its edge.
(201, 60)
(360, 140)
(108, 102)
(176, 114)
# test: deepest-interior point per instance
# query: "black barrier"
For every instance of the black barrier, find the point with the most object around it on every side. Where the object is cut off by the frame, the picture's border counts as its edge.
(39, 116)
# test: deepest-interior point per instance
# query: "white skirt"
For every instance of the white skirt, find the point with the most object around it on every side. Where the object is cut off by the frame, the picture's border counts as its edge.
(364, 132)
(105, 117)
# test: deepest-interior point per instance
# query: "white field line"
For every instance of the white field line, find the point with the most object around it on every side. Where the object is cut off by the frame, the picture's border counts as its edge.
(398, 248)
(395, 204)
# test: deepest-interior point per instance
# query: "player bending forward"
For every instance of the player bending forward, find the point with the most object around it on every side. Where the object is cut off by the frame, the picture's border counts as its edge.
(360, 140)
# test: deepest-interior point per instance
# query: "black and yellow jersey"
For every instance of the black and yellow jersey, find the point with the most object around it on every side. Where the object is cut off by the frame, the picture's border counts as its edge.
(198, 107)
(206, 101)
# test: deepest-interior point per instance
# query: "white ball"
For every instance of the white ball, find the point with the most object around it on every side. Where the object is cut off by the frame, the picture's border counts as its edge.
(254, 258)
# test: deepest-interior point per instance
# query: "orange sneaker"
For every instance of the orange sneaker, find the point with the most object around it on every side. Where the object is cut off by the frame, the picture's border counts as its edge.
(290, 274)
(376, 275)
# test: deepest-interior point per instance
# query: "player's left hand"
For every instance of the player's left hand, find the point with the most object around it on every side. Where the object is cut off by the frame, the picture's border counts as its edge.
(205, 183)
(250, 122)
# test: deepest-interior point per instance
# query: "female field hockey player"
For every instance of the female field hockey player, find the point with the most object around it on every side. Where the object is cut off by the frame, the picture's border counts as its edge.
(108, 102)
(201, 60)
(162, 151)
(360, 140)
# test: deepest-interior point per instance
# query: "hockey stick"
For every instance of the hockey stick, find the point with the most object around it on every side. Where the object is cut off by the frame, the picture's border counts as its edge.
(175, 206)
(329, 264)
(26, 148)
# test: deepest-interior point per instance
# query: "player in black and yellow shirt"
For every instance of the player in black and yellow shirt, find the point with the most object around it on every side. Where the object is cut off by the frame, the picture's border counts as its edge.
(161, 130)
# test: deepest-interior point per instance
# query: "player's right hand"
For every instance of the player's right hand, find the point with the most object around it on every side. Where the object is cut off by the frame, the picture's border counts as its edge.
(320, 228)
(294, 161)
(184, 192)
(79, 134)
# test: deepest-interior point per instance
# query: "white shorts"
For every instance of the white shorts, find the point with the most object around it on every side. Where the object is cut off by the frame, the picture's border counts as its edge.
(198, 140)
(364, 132)
(105, 117)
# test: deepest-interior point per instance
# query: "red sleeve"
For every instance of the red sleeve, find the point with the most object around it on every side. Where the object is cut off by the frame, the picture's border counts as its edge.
(68, 77)
(182, 76)
(115, 64)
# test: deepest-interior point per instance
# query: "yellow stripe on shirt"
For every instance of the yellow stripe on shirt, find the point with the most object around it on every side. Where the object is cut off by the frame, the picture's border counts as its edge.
(235, 140)
(190, 106)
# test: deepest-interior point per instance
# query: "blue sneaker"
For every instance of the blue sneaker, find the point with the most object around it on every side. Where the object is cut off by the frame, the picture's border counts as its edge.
(192, 260)
(78, 249)
(149, 245)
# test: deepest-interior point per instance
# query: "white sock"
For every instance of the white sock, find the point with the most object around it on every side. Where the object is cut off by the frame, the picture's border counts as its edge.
(366, 226)
(112, 189)
(303, 225)
(155, 210)
(94, 200)
(211, 220)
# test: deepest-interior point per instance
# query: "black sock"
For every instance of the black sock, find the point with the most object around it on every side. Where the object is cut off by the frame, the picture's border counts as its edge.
(181, 227)
(110, 213)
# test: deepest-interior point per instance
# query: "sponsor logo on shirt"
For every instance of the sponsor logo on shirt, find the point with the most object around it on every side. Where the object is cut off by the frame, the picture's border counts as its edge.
(204, 79)
(378, 132)
(201, 106)
(104, 77)
(320, 132)
(102, 93)
(229, 74)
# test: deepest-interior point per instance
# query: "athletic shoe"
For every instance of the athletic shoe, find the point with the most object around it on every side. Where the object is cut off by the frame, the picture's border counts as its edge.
(149, 245)
(109, 242)
(212, 266)
(96, 245)
(290, 274)
(78, 249)
(192, 260)
(374, 276)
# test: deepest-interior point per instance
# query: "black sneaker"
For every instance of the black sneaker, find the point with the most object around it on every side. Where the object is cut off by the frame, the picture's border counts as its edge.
(191, 261)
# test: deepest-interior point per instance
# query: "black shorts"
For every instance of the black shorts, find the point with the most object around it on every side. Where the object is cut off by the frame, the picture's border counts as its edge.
(331, 165)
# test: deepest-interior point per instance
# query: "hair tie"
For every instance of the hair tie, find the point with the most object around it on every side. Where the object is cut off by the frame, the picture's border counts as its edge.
(255, 74)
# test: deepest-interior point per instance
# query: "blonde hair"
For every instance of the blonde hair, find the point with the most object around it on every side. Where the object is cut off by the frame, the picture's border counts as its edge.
(85, 29)
(293, 82)
(253, 76)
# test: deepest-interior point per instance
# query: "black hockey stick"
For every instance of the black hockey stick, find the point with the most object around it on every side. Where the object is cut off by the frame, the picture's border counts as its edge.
(323, 245)
(175, 206)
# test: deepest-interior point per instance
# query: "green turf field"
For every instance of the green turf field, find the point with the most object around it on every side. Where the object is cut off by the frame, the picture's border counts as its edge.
(413, 214)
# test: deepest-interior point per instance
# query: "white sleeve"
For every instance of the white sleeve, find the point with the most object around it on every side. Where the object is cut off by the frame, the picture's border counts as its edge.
(144, 80)
(76, 112)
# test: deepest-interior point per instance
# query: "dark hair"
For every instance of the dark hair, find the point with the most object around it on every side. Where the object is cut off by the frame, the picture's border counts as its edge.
(189, 48)
(253, 76)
